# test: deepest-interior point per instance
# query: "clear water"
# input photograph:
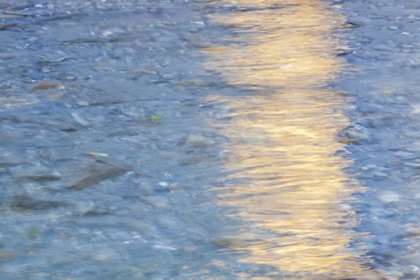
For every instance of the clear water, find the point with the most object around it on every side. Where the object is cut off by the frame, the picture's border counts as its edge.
(216, 140)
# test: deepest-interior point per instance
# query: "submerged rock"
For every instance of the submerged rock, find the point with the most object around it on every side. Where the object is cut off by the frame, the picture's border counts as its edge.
(389, 196)
(358, 135)
(10, 159)
(89, 208)
(199, 141)
(80, 120)
(25, 203)
(82, 176)
(45, 86)
(6, 256)
(36, 172)
(156, 200)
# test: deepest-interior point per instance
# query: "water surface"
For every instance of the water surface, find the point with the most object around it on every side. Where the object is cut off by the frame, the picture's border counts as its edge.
(216, 140)
(285, 165)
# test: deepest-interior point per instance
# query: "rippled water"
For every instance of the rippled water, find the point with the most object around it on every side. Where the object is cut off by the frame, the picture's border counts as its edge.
(238, 139)
(285, 173)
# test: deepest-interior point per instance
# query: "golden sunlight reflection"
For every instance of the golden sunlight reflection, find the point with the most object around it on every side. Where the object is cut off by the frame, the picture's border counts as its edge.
(285, 181)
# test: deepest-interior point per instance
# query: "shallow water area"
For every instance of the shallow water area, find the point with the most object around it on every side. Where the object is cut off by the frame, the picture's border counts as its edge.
(208, 140)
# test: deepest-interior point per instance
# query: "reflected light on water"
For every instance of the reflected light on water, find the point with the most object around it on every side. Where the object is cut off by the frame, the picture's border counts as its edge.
(285, 180)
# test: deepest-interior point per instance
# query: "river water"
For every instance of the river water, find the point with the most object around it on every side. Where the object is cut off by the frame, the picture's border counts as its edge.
(221, 139)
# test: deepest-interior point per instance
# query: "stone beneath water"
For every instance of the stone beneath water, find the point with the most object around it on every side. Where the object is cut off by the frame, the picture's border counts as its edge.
(81, 176)
(404, 155)
(8, 158)
(156, 200)
(195, 159)
(45, 86)
(26, 203)
(163, 184)
(358, 135)
(80, 120)
(6, 256)
(389, 196)
(199, 141)
(37, 172)
(82, 103)
(89, 208)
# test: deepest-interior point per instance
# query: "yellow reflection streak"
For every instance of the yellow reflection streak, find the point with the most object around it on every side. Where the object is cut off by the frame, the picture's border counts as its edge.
(286, 183)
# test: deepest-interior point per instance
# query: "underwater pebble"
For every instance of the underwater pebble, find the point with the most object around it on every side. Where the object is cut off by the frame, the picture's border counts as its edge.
(163, 184)
(82, 103)
(156, 200)
(396, 273)
(199, 141)
(389, 196)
